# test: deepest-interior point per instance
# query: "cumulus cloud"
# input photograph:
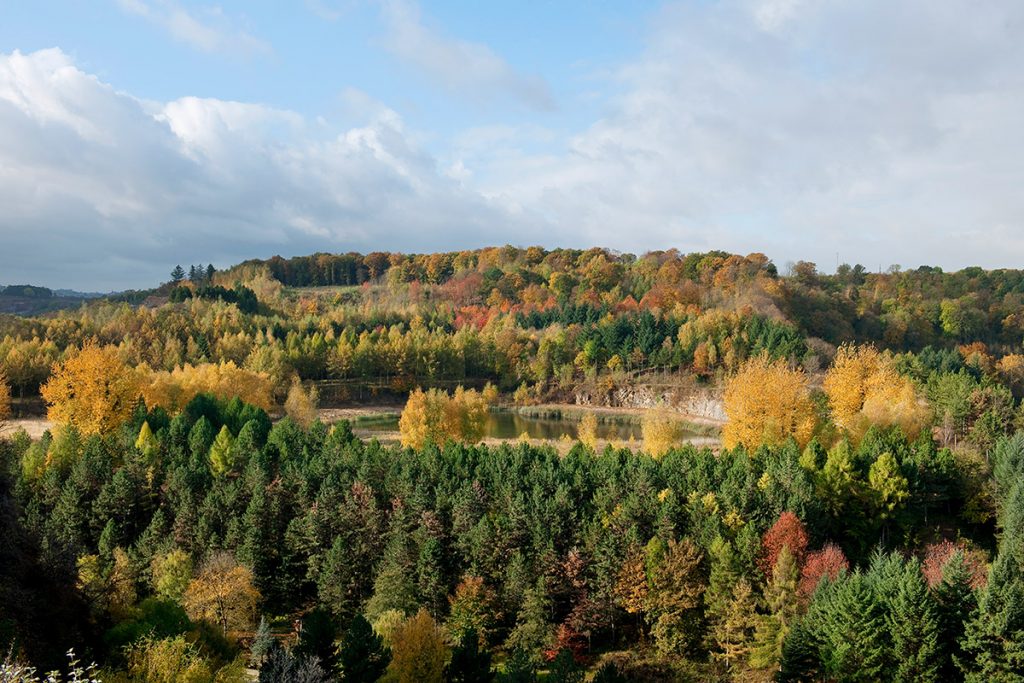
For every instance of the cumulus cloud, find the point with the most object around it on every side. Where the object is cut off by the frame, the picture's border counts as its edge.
(211, 31)
(886, 132)
(882, 131)
(104, 190)
(470, 69)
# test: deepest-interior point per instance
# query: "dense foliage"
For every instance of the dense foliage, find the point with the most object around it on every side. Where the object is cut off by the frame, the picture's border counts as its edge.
(862, 519)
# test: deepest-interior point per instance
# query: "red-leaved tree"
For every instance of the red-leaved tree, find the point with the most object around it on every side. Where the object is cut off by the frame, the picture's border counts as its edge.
(828, 561)
(788, 531)
(936, 555)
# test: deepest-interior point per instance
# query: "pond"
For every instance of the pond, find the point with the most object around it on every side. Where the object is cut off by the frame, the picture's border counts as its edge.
(510, 425)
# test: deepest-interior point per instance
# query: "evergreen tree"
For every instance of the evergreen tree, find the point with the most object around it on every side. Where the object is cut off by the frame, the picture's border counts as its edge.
(468, 663)
(733, 630)
(262, 643)
(565, 669)
(519, 668)
(955, 602)
(363, 657)
(317, 640)
(914, 629)
(177, 274)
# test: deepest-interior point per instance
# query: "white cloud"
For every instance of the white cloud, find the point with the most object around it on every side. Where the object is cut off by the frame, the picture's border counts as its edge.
(102, 190)
(470, 69)
(887, 132)
(212, 31)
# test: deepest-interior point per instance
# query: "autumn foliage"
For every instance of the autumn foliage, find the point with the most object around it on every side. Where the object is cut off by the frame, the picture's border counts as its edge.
(91, 390)
(5, 398)
(172, 390)
(864, 388)
(661, 431)
(435, 416)
(936, 555)
(222, 593)
(767, 402)
(787, 532)
(829, 561)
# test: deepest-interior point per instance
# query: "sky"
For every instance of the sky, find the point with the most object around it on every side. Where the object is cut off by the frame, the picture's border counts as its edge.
(139, 134)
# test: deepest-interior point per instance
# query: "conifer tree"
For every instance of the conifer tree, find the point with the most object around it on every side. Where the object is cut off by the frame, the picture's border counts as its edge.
(955, 602)
(782, 604)
(914, 629)
(222, 453)
(363, 657)
(469, 664)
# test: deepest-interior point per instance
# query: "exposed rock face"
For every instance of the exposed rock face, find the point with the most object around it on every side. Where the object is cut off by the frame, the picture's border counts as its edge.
(700, 403)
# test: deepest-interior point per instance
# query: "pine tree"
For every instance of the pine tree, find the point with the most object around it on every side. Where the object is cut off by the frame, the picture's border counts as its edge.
(317, 640)
(994, 638)
(914, 629)
(468, 663)
(363, 657)
(852, 631)
(956, 601)
(177, 274)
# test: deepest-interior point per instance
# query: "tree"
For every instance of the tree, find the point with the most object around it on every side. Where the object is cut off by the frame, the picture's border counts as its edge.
(469, 664)
(865, 388)
(915, 629)
(171, 574)
(91, 390)
(829, 562)
(782, 606)
(222, 593)
(588, 431)
(660, 432)
(363, 657)
(316, 640)
(5, 398)
(733, 631)
(301, 404)
(434, 416)
(177, 274)
(955, 600)
(419, 651)
(471, 608)
(222, 453)
(787, 532)
(766, 403)
(675, 595)
(262, 643)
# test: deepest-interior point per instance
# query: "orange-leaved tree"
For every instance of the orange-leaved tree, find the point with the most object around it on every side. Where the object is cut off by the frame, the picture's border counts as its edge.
(5, 398)
(92, 390)
(767, 402)
(865, 388)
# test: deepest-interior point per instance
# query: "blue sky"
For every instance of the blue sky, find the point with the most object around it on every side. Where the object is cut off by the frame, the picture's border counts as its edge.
(135, 134)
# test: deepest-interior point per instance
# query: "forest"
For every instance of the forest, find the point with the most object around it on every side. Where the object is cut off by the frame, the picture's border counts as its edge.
(192, 513)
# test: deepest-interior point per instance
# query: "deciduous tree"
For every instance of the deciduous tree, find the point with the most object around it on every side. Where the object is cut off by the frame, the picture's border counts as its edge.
(767, 402)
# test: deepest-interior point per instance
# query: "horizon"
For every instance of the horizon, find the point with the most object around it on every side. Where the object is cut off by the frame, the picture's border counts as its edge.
(134, 133)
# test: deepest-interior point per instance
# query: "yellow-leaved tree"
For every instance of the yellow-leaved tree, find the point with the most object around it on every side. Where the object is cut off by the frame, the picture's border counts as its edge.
(222, 593)
(174, 389)
(5, 398)
(435, 416)
(91, 390)
(865, 388)
(661, 431)
(767, 402)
